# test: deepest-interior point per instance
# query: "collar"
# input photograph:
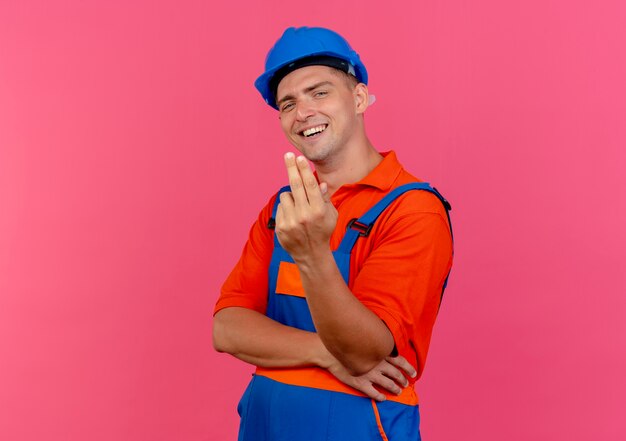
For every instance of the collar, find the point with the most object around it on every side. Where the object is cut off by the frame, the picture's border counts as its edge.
(384, 174)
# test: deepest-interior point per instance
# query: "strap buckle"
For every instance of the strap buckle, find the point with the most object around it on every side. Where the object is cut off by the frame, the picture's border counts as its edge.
(271, 224)
(363, 229)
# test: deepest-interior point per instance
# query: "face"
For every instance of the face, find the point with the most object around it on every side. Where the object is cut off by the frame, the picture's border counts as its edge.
(319, 111)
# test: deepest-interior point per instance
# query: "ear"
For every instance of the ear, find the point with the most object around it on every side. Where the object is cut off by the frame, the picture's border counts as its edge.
(361, 96)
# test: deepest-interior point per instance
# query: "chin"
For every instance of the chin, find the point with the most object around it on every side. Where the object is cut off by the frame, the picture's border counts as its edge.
(315, 153)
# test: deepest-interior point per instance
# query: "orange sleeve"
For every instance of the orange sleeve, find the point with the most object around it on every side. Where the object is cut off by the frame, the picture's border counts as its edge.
(247, 284)
(402, 279)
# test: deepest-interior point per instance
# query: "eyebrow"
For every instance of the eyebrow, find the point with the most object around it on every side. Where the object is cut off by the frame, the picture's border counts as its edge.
(307, 90)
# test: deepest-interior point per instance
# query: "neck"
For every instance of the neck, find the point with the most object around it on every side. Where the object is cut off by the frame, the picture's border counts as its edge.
(350, 167)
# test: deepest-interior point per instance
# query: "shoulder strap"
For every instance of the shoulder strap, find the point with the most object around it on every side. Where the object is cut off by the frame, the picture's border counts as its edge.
(271, 224)
(363, 225)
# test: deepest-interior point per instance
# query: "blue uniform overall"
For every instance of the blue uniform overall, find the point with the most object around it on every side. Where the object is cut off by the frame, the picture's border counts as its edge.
(274, 411)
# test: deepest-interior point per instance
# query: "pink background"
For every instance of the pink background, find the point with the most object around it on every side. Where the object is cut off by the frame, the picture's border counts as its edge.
(135, 153)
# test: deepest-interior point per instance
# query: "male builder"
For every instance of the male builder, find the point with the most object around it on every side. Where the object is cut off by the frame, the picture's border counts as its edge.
(336, 292)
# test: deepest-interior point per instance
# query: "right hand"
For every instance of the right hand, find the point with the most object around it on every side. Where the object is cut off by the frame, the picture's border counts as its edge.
(390, 375)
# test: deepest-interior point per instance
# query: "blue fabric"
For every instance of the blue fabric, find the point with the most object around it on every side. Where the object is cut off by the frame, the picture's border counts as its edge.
(351, 236)
(372, 214)
(273, 411)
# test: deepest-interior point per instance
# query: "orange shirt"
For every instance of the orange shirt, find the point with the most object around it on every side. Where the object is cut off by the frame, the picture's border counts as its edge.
(397, 271)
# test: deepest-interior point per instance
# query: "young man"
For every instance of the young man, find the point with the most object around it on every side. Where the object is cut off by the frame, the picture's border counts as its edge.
(336, 293)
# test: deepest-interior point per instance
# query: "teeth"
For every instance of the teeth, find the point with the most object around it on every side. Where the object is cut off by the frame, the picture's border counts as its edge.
(314, 130)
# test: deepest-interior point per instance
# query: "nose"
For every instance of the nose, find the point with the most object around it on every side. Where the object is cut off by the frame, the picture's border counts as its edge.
(304, 110)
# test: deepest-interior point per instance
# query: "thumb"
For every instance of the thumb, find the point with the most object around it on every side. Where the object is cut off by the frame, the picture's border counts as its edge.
(325, 192)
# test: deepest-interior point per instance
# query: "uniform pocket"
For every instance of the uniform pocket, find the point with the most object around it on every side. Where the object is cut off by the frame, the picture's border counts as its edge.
(397, 421)
(288, 281)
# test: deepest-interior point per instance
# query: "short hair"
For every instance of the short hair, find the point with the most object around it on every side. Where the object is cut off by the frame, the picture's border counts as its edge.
(350, 80)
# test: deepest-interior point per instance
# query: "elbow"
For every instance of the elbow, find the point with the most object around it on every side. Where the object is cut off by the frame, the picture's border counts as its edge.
(220, 342)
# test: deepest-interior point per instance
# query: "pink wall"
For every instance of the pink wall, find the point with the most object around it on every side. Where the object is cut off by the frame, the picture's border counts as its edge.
(135, 153)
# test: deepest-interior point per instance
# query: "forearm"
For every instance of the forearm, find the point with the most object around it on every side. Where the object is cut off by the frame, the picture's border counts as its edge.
(261, 341)
(356, 336)
(305, 221)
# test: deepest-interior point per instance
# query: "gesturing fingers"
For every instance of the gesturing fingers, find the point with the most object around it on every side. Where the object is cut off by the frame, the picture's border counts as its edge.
(306, 221)
(309, 182)
(325, 192)
(295, 180)
(302, 181)
(286, 200)
(284, 213)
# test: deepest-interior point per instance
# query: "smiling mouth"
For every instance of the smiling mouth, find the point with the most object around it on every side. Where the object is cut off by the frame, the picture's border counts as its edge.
(313, 131)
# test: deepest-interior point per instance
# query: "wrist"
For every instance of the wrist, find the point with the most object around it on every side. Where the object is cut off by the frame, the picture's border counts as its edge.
(315, 261)
(321, 356)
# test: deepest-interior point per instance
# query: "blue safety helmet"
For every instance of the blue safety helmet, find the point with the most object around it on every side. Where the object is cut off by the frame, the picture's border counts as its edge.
(299, 47)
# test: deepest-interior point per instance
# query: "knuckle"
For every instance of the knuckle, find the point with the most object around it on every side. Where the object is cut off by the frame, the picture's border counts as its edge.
(295, 184)
(282, 227)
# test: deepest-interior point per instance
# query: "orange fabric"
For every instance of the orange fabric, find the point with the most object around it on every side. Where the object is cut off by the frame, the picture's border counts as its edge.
(321, 379)
(397, 271)
(289, 282)
(383, 435)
